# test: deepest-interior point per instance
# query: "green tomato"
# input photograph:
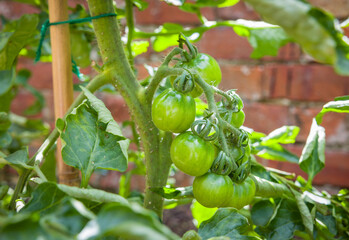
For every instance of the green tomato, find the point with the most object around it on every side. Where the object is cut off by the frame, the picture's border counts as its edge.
(213, 190)
(236, 119)
(173, 111)
(243, 194)
(191, 154)
(208, 69)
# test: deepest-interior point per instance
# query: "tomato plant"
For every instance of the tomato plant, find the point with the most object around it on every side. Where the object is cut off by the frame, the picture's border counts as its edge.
(235, 196)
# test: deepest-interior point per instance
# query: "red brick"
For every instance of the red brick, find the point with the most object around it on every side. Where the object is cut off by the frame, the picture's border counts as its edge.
(247, 79)
(224, 43)
(14, 10)
(117, 106)
(313, 82)
(41, 73)
(338, 8)
(22, 101)
(159, 12)
(264, 117)
(289, 52)
(240, 10)
(335, 124)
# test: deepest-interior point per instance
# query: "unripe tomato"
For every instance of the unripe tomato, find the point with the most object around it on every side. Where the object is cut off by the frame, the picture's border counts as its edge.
(236, 119)
(173, 111)
(243, 194)
(213, 190)
(191, 154)
(208, 69)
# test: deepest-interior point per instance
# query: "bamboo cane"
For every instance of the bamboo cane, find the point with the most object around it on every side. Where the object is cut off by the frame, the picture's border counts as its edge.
(62, 80)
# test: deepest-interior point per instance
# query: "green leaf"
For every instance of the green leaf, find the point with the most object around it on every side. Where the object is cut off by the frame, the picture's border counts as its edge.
(45, 196)
(262, 212)
(48, 167)
(127, 222)
(7, 78)
(340, 105)
(201, 213)
(283, 135)
(160, 43)
(293, 16)
(103, 145)
(5, 139)
(19, 160)
(312, 159)
(49, 194)
(22, 34)
(95, 195)
(6, 100)
(140, 4)
(307, 219)
(139, 47)
(275, 152)
(266, 39)
(80, 48)
(226, 222)
(68, 217)
(173, 193)
(286, 221)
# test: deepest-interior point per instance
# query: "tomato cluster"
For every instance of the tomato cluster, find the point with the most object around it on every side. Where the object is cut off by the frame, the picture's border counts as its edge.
(198, 152)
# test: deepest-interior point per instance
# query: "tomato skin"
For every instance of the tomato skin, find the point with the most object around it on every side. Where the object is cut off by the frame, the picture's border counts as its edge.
(243, 194)
(191, 154)
(208, 69)
(173, 111)
(213, 190)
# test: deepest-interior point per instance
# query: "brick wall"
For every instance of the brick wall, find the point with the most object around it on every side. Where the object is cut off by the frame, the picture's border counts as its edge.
(283, 90)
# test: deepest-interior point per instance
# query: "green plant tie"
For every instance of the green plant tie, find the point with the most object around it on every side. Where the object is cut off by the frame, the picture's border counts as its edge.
(71, 21)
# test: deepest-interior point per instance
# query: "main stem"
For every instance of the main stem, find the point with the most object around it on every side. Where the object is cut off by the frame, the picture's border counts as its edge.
(116, 64)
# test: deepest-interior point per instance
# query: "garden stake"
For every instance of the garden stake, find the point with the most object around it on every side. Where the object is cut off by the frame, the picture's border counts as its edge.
(62, 80)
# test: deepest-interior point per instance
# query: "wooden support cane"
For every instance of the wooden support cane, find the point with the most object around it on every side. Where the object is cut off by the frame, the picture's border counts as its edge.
(62, 80)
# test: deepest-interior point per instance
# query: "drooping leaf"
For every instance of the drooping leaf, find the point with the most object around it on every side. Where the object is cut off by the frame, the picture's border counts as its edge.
(201, 213)
(266, 39)
(275, 151)
(283, 135)
(49, 194)
(307, 219)
(294, 18)
(312, 159)
(174, 193)
(127, 222)
(19, 160)
(80, 48)
(340, 105)
(286, 221)
(226, 222)
(262, 212)
(23, 31)
(93, 140)
(48, 167)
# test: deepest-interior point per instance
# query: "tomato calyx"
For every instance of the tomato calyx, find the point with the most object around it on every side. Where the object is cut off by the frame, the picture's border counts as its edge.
(223, 164)
(184, 83)
(205, 129)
